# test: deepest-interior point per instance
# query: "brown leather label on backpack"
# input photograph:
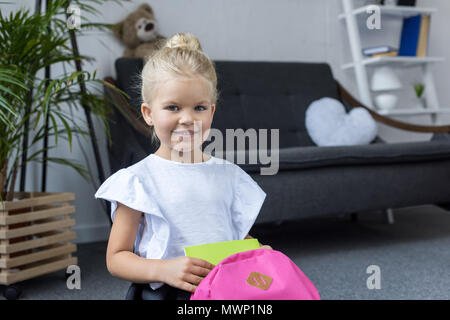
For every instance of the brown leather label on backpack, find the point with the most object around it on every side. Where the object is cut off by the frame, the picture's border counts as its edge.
(259, 280)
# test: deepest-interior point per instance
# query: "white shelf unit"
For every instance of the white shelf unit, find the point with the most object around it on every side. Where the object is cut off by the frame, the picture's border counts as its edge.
(413, 111)
(401, 11)
(360, 63)
(395, 61)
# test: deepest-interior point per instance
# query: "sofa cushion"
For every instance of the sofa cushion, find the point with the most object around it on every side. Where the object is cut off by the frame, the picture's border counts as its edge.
(376, 153)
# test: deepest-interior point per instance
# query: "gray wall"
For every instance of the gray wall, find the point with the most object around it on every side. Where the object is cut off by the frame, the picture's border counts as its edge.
(281, 30)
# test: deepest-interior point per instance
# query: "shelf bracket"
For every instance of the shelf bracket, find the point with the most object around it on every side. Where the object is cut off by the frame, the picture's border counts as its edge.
(355, 45)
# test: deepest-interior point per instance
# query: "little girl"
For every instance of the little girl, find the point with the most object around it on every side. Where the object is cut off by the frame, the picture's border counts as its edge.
(178, 196)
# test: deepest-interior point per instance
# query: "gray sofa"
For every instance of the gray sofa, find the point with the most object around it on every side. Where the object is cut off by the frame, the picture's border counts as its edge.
(312, 181)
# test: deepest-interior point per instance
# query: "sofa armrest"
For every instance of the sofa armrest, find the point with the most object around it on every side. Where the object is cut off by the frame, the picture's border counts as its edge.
(125, 109)
(346, 96)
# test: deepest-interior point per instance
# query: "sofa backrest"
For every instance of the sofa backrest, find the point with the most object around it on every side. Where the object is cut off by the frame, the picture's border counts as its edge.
(258, 95)
(128, 72)
(271, 95)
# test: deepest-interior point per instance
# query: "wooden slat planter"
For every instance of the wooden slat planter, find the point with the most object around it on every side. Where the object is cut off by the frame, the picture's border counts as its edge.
(35, 235)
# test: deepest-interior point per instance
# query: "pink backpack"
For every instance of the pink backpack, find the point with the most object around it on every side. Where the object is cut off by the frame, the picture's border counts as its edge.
(258, 274)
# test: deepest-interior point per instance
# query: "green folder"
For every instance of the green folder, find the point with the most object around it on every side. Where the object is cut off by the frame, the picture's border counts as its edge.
(217, 251)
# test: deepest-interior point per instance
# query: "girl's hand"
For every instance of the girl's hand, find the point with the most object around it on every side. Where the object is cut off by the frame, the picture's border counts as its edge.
(266, 247)
(185, 273)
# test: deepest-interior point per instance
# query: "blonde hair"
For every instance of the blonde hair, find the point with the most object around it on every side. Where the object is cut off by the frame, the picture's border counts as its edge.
(180, 56)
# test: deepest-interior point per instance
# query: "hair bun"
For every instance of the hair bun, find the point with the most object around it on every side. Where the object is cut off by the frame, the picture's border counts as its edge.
(184, 41)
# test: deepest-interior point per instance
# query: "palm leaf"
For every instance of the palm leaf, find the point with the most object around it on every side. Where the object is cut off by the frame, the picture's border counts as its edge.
(29, 43)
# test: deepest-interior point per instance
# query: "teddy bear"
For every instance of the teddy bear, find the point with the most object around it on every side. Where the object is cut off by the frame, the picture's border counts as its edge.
(138, 32)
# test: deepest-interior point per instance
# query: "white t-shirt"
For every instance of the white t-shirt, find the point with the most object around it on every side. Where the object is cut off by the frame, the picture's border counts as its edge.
(184, 204)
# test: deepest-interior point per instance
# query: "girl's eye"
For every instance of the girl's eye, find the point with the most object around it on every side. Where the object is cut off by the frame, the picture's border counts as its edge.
(170, 107)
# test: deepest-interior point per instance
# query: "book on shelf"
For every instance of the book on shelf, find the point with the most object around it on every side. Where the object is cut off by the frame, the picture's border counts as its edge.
(414, 36)
(423, 36)
(378, 49)
(386, 54)
(411, 3)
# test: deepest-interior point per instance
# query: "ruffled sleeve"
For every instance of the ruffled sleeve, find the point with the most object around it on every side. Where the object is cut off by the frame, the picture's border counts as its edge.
(126, 188)
(247, 202)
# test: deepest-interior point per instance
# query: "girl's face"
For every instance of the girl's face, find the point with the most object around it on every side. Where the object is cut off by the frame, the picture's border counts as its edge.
(181, 112)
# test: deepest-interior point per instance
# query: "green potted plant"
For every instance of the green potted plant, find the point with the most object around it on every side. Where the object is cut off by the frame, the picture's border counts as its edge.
(29, 43)
(419, 89)
(34, 108)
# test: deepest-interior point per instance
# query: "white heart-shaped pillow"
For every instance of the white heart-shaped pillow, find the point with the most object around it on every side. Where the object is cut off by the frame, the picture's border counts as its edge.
(328, 124)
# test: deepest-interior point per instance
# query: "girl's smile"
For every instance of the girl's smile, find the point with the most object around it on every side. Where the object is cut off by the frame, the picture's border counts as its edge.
(186, 133)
